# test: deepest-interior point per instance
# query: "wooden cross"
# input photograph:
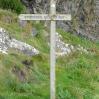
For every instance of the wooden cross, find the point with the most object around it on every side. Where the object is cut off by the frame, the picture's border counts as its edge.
(52, 17)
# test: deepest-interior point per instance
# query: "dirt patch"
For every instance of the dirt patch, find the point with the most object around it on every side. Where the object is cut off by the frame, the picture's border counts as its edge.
(27, 63)
(19, 74)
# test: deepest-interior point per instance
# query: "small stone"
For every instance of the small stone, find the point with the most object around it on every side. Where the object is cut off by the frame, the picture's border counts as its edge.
(46, 33)
(34, 32)
(22, 23)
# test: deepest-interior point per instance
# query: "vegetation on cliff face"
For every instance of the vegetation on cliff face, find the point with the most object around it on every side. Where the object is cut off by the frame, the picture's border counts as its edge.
(24, 77)
(85, 15)
(13, 5)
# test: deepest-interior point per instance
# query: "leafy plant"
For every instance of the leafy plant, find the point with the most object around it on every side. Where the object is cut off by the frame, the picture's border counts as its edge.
(64, 93)
(14, 5)
(88, 95)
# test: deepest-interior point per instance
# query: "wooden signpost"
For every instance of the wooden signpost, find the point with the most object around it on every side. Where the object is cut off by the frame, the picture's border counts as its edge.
(52, 17)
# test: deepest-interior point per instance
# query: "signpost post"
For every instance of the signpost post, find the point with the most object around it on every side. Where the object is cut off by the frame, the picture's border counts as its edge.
(52, 17)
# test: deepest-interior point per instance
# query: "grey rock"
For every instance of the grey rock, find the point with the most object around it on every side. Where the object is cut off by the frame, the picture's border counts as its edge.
(23, 48)
(63, 48)
(6, 43)
(46, 33)
(38, 1)
(34, 32)
(29, 4)
(3, 39)
(22, 23)
(85, 15)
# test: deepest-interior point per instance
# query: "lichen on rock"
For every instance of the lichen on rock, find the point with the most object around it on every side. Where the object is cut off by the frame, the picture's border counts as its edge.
(6, 43)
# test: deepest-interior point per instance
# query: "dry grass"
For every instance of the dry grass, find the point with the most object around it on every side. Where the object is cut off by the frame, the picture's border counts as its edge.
(1, 67)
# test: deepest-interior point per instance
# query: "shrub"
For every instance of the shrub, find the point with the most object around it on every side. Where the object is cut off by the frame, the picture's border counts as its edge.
(14, 5)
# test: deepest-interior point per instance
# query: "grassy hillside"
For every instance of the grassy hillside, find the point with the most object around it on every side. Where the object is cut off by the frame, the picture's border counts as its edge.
(24, 77)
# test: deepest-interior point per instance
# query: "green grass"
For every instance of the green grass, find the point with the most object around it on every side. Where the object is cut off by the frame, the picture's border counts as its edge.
(77, 75)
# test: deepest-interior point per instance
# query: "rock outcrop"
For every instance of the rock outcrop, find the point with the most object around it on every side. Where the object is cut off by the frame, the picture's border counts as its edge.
(63, 48)
(85, 15)
(7, 43)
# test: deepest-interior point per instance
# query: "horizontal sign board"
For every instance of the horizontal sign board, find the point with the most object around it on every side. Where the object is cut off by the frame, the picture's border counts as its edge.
(44, 17)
